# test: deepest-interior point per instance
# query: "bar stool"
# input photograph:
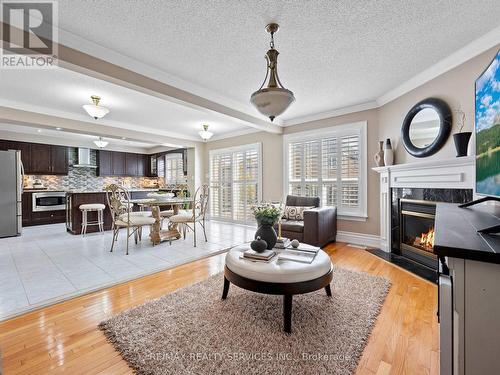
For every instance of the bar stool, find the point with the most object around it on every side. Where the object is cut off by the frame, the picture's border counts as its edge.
(85, 208)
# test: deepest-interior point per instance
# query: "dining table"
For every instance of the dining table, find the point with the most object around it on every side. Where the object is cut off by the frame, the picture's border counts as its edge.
(157, 233)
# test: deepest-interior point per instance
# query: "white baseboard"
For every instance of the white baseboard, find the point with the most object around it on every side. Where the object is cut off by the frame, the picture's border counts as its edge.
(370, 240)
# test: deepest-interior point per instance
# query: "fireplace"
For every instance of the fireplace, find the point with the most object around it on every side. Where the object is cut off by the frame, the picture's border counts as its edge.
(412, 223)
(416, 234)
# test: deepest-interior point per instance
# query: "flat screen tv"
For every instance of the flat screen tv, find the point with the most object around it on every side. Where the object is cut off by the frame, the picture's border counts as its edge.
(488, 130)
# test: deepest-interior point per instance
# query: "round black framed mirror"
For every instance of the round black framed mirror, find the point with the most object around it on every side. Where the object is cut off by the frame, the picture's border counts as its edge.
(426, 127)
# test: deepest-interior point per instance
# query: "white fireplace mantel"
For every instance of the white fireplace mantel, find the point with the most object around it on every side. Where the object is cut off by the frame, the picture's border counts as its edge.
(456, 173)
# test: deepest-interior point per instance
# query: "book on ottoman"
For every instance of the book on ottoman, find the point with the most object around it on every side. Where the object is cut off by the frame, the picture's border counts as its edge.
(265, 256)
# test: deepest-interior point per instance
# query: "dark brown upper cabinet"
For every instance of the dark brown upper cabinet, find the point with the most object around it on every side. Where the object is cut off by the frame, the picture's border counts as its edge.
(48, 159)
(104, 163)
(59, 159)
(142, 165)
(118, 163)
(25, 149)
(131, 164)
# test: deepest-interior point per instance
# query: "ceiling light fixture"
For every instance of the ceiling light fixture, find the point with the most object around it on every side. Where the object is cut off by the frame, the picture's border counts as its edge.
(100, 143)
(95, 110)
(205, 134)
(274, 99)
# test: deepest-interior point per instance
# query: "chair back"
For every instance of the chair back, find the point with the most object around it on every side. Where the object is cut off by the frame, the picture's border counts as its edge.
(118, 201)
(293, 200)
(200, 204)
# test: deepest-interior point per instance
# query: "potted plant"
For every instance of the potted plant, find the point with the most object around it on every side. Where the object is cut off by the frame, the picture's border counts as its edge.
(461, 139)
(267, 215)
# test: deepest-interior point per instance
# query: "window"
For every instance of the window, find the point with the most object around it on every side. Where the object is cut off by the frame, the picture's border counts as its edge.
(330, 164)
(174, 168)
(235, 182)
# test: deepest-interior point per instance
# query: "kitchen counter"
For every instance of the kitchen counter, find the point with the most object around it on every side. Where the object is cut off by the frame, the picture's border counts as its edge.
(75, 198)
(84, 191)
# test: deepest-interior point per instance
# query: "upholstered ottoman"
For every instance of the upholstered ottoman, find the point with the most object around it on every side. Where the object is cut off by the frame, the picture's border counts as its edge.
(281, 277)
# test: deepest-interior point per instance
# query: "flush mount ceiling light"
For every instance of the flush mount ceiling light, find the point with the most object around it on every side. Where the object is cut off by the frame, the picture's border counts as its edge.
(274, 99)
(100, 143)
(205, 134)
(95, 110)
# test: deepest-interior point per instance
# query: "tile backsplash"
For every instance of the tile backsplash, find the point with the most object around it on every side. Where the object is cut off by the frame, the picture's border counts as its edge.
(82, 178)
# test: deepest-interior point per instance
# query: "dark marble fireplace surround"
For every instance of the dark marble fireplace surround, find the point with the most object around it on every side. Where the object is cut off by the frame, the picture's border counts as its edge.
(420, 194)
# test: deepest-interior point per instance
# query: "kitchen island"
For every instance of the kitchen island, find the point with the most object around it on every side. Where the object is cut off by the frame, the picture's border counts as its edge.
(77, 197)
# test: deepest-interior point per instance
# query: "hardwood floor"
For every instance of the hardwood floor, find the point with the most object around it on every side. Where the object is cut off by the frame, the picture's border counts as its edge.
(65, 338)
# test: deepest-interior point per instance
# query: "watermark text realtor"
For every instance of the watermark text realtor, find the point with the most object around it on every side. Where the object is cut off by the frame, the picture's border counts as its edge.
(29, 34)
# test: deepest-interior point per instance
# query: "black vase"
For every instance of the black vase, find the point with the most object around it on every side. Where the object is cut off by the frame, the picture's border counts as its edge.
(268, 234)
(461, 143)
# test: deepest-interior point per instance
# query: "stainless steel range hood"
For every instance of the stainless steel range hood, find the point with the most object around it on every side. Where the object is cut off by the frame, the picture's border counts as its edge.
(83, 160)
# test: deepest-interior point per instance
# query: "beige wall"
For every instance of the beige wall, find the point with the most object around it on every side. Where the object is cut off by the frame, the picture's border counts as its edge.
(456, 87)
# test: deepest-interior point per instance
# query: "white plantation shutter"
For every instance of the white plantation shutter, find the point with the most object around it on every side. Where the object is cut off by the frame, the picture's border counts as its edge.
(174, 168)
(235, 182)
(350, 171)
(330, 164)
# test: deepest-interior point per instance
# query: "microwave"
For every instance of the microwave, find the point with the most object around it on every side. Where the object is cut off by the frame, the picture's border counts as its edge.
(49, 201)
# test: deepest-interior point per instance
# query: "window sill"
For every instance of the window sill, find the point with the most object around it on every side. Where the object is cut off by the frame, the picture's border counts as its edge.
(352, 218)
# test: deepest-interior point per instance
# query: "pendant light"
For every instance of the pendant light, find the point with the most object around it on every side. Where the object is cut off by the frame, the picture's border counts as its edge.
(100, 143)
(205, 134)
(273, 99)
(95, 110)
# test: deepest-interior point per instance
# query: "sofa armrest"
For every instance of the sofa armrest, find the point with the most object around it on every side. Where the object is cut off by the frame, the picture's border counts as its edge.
(320, 225)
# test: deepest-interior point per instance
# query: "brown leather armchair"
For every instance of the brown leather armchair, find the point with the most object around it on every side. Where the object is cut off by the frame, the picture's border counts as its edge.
(319, 226)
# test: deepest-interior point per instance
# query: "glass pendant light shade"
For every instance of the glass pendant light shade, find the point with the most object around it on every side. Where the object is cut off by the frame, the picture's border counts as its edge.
(274, 99)
(272, 102)
(100, 143)
(95, 110)
(205, 134)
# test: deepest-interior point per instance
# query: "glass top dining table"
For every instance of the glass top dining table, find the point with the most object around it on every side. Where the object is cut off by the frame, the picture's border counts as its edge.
(157, 234)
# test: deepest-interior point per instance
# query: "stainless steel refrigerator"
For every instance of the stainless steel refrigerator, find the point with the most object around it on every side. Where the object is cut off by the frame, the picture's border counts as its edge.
(11, 191)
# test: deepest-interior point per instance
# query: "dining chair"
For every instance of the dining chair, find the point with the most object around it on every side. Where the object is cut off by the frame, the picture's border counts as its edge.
(120, 206)
(188, 218)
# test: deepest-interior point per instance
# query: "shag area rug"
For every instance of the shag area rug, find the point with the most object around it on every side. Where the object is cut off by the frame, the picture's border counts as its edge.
(192, 331)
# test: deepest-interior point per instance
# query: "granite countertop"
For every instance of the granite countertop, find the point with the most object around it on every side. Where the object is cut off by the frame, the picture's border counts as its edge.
(86, 191)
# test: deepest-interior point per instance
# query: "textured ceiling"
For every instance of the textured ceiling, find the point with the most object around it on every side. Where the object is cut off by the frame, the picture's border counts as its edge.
(332, 53)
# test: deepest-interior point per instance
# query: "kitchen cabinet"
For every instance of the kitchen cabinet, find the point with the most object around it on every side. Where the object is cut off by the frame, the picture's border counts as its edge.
(131, 167)
(26, 208)
(104, 163)
(118, 163)
(47, 159)
(31, 218)
(59, 159)
(40, 161)
(142, 165)
(113, 163)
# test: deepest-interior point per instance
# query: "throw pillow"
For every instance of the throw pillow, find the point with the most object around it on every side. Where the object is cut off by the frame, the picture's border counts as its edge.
(295, 212)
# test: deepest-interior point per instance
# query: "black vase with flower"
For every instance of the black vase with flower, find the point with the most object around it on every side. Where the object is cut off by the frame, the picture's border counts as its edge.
(267, 215)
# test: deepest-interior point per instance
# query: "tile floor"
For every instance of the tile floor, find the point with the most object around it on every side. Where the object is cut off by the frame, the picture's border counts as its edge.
(46, 264)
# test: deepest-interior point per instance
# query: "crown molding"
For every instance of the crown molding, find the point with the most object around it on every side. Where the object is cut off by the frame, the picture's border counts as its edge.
(333, 113)
(457, 58)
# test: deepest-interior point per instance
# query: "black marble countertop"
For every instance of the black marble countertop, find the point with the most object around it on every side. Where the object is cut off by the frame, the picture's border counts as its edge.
(456, 233)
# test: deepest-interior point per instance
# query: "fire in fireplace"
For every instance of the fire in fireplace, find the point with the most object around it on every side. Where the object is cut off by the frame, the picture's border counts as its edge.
(425, 241)
(417, 230)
